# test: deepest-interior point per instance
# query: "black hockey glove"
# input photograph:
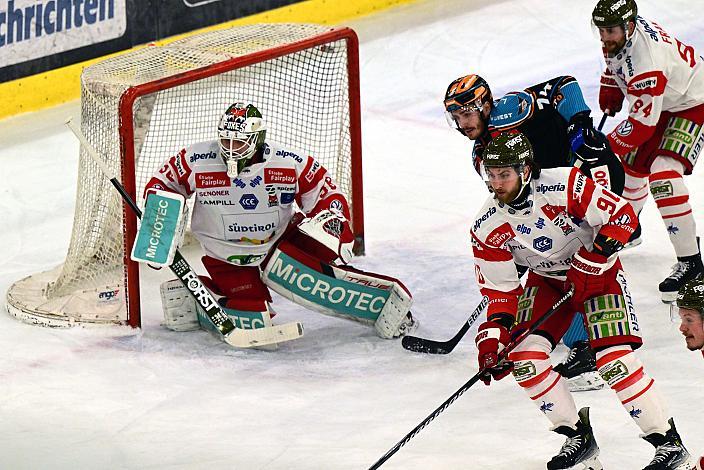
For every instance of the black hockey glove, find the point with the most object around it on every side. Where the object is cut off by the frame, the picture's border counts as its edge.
(586, 143)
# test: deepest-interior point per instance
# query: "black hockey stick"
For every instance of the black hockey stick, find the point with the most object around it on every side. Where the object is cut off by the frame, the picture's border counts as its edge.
(603, 121)
(232, 335)
(422, 345)
(475, 378)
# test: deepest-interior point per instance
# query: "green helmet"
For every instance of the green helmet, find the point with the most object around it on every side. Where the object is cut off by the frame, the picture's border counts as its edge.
(508, 149)
(608, 13)
(691, 295)
(241, 127)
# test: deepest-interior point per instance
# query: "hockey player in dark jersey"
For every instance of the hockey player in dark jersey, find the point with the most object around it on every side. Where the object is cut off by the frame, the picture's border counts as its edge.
(552, 114)
(556, 120)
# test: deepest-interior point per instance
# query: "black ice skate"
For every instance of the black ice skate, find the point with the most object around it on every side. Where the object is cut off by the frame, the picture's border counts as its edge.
(635, 239)
(579, 368)
(579, 452)
(686, 269)
(408, 326)
(670, 454)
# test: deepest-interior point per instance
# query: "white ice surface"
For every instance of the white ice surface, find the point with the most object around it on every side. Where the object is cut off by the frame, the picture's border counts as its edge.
(340, 397)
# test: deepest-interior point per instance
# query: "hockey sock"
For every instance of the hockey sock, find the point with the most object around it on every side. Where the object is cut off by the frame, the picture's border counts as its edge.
(576, 332)
(635, 189)
(548, 390)
(623, 371)
(672, 198)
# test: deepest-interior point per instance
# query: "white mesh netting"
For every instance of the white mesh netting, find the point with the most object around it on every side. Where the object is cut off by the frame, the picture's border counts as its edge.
(303, 95)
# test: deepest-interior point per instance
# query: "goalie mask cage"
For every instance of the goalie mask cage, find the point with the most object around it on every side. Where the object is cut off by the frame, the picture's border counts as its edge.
(139, 108)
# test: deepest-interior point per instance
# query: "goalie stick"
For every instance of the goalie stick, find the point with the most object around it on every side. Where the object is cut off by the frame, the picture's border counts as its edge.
(231, 334)
(475, 378)
(422, 345)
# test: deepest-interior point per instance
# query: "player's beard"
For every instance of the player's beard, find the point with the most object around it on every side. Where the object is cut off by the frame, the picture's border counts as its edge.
(508, 196)
(613, 47)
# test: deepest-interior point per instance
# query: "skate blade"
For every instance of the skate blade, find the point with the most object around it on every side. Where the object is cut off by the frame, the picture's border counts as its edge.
(668, 297)
(590, 464)
(585, 382)
(688, 464)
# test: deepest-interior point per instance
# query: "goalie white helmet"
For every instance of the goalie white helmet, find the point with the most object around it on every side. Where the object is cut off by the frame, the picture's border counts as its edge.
(241, 132)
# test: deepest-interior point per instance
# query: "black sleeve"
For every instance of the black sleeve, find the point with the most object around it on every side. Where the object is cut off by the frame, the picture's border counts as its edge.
(607, 171)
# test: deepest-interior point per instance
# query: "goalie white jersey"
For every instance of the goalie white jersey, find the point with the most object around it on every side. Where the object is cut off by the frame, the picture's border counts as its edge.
(238, 220)
(566, 211)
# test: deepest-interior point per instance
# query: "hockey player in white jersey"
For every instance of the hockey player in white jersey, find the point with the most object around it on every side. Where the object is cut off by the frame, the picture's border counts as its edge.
(270, 216)
(568, 231)
(660, 141)
(556, 120)
(689, 308)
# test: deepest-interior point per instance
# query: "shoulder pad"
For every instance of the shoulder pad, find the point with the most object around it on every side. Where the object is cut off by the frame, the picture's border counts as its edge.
(278, 151)
(511, 111)
(482, 216)
(207, 152)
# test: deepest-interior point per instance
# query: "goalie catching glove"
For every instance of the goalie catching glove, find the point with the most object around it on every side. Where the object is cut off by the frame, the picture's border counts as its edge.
(331, 229)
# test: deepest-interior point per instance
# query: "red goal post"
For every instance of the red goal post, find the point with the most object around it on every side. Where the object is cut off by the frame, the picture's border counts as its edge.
(139, 108)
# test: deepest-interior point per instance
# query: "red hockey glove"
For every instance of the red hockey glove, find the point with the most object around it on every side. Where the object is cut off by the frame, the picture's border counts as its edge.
(587, 274)
(491, 339)
(610, 95)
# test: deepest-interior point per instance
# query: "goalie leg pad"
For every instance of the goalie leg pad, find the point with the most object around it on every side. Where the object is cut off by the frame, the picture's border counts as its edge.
(339, 291)
(179, 307)
(181, 313)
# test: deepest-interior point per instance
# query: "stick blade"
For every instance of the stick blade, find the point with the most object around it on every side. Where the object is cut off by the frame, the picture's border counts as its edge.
(262, 336)
(427, 346)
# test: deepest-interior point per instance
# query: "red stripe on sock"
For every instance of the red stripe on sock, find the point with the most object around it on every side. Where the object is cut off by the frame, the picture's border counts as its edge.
(612, 356)
(652, 381)
(557, 379)
(672, 201)
(536, 380)
(676, 215)
(628, 381)
(664, 175)
(528, 355)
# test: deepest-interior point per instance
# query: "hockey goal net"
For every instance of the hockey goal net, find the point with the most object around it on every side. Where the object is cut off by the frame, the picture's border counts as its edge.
(139, 108)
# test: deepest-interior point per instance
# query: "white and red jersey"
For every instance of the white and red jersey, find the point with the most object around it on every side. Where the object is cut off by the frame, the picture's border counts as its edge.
(567, 210)
(238, 220)
(657, 73)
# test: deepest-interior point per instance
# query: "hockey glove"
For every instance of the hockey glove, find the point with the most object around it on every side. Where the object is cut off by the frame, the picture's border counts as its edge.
(587, 274)
(587, 144)
(610, 95)
(491, 339)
